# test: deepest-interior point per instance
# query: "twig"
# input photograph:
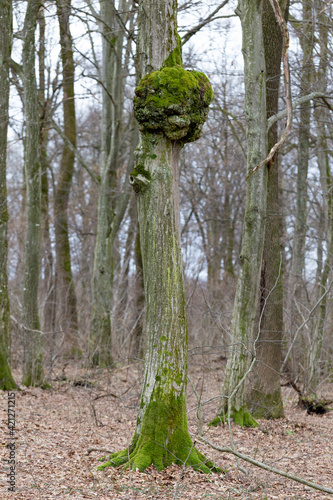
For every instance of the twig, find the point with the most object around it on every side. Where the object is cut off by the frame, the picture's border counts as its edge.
(266, 467)
(90, 450)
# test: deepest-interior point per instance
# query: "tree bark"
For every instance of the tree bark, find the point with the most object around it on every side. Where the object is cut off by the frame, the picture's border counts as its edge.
(244, 326)
(264, 391)
(161, 435)
(6, 379)
(65, 287)
(32, 366)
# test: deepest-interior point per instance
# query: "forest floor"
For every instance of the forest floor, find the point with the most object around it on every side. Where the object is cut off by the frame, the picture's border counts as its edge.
(55, 428)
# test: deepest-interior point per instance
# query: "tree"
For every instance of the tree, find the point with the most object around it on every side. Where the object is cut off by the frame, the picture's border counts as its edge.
(263, 389)
(66, 296)
(244, 328)
(298, 300)
(171, 105)
(6, 379)
(33, 366)
(110, 209)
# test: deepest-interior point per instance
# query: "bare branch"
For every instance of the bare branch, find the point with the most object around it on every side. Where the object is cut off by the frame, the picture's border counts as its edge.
(208, 19)
(299, 102)
(74, 151)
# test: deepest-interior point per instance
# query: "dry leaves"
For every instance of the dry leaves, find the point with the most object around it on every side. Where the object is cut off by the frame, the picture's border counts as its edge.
(94, 409)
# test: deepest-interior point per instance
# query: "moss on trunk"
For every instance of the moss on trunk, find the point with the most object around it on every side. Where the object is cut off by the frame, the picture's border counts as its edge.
(241, 417)
(163, 439)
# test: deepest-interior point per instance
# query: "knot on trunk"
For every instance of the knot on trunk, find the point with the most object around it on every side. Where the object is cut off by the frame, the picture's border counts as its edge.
(139, 178)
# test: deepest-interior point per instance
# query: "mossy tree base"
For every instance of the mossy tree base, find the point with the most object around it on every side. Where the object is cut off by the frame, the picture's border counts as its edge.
(7, 382)
(142, 453)
(240, 417)
(163, 439)
(268, 406)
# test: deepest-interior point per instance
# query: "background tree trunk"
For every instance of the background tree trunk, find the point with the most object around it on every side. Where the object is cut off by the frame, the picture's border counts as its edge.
(6, 379)
(297, 300)
(112, 70)
(66, 296)
(32, 367)
(264, 391)
(244, 328)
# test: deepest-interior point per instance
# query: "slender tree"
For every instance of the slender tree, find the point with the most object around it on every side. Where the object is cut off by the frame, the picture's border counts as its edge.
(244, 328)
(6, 379)
(32, 366)
(264, 389)
(297, 300)
(66, 296)
(171, 105)
(111, 129)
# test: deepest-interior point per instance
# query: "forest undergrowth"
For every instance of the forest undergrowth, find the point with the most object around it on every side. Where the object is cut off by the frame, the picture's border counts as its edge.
(61, 432)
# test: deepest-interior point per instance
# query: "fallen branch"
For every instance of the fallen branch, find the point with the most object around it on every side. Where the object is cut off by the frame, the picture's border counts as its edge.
(266, 467)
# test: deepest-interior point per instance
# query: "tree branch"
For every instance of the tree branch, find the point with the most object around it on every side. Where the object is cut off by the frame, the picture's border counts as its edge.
(74, 151)
(266, 467)
(208, 19)
(299, 102)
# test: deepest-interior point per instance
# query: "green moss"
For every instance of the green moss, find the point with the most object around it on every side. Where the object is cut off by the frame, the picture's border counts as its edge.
(173, 101)
(140, 170)
(7, 382)
(241, 417)
(175, 57)
(267, 406)
(164, 439)
(163, 338)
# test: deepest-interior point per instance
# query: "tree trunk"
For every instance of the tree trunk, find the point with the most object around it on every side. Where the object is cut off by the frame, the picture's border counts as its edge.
(314, 361)
(49, 310)
(162, 436)
(66, 296)
(264, 389)
(297, 289)
(32, 366)
(100, 329)
(6, 379)
(244, 327)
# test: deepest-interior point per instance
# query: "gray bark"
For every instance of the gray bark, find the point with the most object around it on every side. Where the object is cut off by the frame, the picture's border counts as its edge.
(161, 435)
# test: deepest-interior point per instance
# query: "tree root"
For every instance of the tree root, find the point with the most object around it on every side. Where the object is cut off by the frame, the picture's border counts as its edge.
(143, 452)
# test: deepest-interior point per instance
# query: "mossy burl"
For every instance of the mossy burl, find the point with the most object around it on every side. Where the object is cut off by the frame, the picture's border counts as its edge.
(164, 439)
(173, 101)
